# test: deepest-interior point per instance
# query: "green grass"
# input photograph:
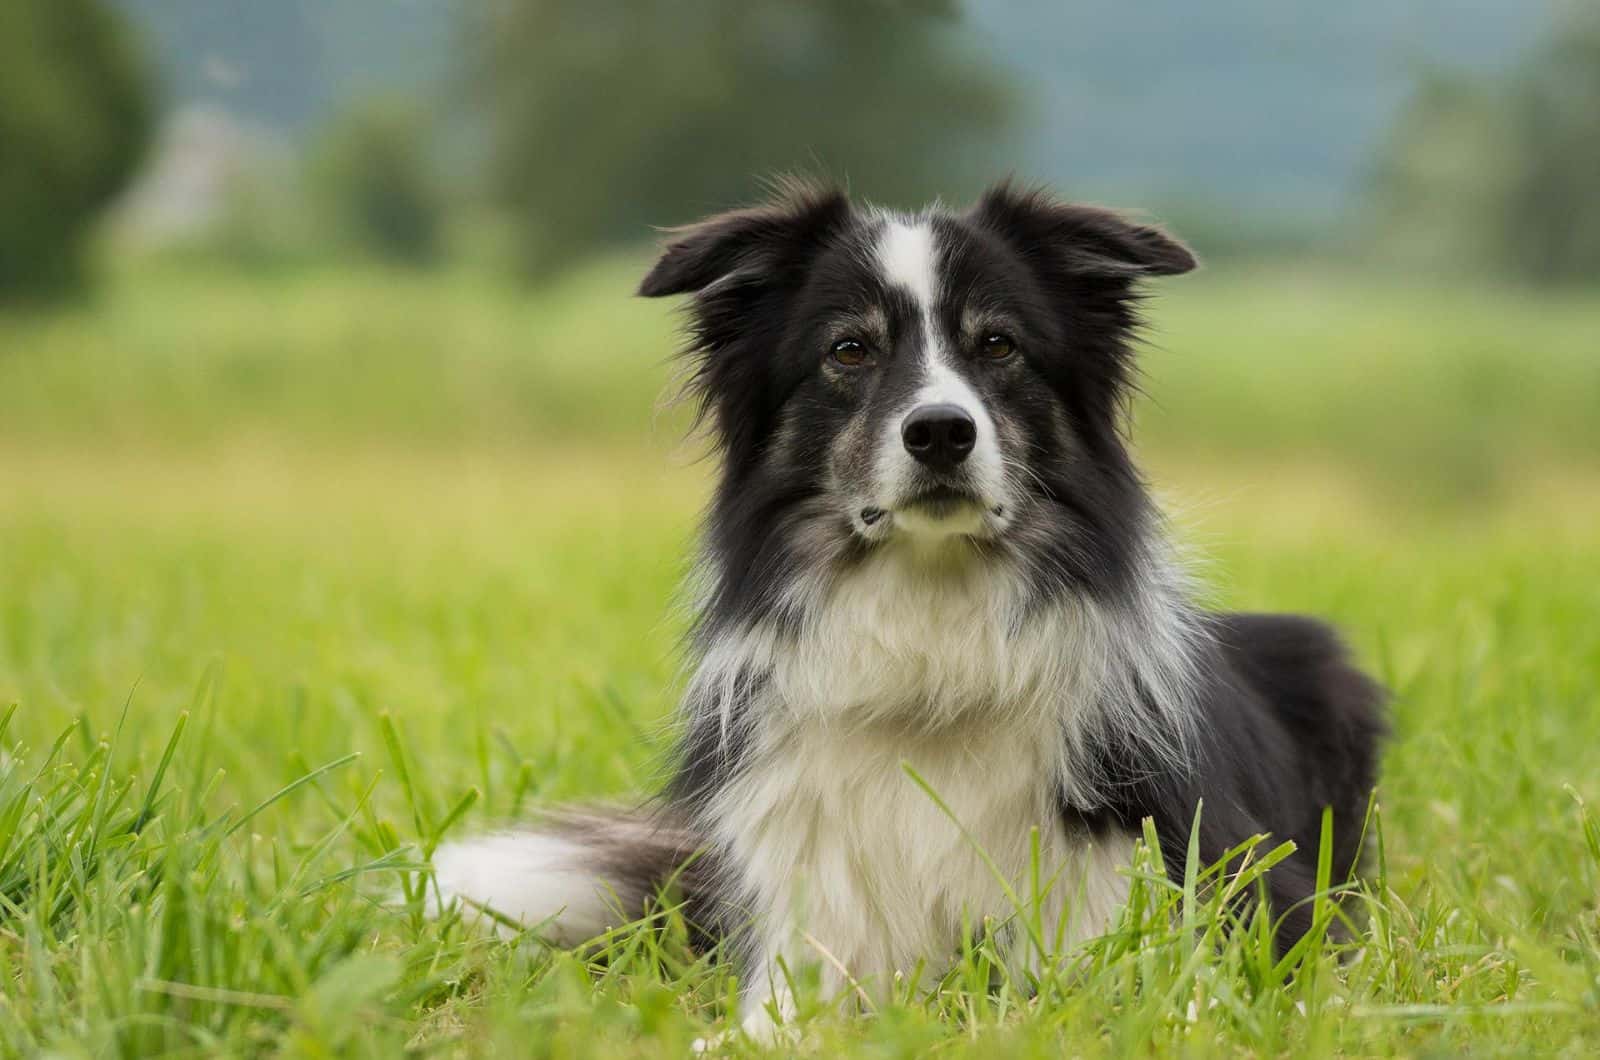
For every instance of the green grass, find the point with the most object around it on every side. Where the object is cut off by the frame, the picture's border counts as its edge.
(247, 533)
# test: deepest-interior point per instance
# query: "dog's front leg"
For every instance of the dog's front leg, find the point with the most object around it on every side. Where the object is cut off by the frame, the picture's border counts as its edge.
(767, 1003)
(767, 1007)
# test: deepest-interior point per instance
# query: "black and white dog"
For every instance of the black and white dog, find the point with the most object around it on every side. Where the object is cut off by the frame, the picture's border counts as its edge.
(930, 548)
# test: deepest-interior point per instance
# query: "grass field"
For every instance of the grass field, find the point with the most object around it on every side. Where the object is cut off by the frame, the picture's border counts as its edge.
(298, 576)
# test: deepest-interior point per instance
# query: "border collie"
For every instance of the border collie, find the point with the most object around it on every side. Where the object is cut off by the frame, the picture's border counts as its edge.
(931, 553)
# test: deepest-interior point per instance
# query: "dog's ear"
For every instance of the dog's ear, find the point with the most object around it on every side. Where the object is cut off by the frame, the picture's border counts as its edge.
(761, 242)
(1082, 240)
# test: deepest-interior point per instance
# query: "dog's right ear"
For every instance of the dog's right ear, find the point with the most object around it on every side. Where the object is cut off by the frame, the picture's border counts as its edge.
(761, 243)
(1081, 240)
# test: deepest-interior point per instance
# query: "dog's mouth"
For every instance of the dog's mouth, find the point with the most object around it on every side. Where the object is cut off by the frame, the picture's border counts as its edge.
(941, 502)
(939, 509)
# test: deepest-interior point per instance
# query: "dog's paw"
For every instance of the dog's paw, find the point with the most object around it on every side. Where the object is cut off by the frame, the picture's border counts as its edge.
(758, 1028)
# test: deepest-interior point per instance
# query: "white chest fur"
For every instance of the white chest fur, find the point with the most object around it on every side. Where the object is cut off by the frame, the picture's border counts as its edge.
(856, 867)
(852, 864)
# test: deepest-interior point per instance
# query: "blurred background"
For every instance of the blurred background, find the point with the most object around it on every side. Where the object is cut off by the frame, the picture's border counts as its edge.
(418, 221)
(329, 424)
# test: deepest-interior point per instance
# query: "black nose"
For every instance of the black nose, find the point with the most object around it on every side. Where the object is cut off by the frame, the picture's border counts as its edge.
(939, 436)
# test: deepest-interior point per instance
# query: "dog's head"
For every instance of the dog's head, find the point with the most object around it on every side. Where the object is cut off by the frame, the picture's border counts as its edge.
(946, 381)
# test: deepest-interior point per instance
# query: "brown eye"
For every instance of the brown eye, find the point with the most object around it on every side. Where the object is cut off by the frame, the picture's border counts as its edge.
(852, 353)
(997, 347)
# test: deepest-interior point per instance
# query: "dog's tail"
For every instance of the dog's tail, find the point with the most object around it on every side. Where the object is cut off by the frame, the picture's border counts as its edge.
(576, 874)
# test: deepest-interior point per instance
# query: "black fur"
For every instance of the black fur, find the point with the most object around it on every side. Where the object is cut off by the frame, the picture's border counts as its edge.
(1289, 727)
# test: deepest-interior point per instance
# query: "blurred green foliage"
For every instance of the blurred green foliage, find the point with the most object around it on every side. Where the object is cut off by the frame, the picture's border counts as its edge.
(607, 117)
(374, 181)
(1427, 388)
(1501, 176)
(75, 116)
(262, 227)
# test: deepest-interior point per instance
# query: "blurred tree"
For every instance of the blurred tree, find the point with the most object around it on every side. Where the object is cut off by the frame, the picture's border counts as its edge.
(1444, 177)
(373, 178)
(75, 115)
(1501, 175)
(1552, 218)
(606, 116)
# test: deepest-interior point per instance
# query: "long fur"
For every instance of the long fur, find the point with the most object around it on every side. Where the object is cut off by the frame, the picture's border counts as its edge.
(910, 660)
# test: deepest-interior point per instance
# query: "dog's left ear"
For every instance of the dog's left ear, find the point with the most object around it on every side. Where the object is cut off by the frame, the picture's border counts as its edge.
(760, 243)
(1083, 240)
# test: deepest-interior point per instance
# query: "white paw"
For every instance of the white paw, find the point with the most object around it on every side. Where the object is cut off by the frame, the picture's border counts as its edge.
(758, 1028)
(711, 1044)
(763, 1030)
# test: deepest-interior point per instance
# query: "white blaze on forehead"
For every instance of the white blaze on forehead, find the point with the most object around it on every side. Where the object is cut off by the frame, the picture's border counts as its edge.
(908, 259)
(906, 255)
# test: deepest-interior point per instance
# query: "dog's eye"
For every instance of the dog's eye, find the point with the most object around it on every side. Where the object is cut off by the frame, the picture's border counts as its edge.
(852, 353)
(997, 347)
